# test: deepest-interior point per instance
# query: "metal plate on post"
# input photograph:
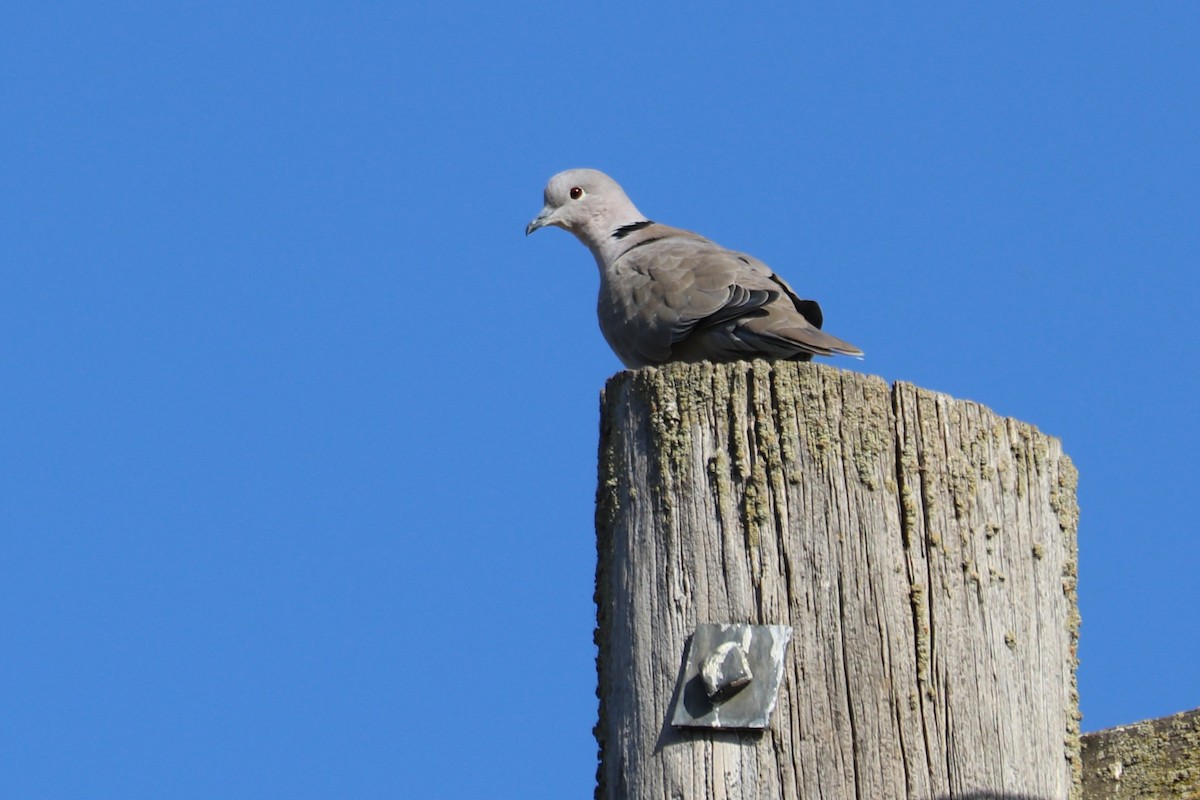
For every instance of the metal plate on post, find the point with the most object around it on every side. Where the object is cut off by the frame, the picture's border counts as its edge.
(731, 677)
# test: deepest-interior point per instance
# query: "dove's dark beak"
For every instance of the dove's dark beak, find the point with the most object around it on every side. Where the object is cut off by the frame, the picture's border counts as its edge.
(540, 221)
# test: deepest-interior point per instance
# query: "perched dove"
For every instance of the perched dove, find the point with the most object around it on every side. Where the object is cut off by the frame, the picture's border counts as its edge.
(667, 294)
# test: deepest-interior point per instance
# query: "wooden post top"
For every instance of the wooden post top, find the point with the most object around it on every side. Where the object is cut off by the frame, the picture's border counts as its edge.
(921, 548)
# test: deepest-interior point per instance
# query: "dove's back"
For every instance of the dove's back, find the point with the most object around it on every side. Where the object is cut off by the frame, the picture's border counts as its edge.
(672, 295)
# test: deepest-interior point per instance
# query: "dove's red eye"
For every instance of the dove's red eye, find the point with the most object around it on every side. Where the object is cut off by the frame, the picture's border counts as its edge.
(576, 193)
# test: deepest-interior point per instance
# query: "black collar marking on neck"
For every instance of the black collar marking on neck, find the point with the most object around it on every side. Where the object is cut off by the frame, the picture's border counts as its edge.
(625, 230)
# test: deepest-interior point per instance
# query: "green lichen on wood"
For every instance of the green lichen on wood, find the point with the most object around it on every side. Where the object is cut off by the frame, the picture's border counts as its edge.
(766, 436)
(754, 514)
(874, 429)
(786, 387)
(1066, 507)
(1157, 759)
(1041, 449)
(921, 632)
(814, 428)
(669, 431)
(722, 488)
(1063, 499)
(739, 446)
(671, 419)
(908, 514)
(935, 541)
(1019, 452)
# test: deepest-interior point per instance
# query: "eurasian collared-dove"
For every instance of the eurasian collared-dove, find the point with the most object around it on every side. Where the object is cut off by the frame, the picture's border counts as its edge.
(667, 294)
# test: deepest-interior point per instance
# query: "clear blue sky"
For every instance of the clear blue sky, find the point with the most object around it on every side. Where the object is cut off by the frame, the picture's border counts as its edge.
(298, 429)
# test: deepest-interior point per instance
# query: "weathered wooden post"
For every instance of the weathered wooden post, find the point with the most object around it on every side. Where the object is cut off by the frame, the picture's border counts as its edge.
(921, 549)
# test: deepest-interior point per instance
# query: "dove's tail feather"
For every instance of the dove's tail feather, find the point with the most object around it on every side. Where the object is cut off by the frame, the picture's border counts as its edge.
(790, 340)
(738, 342)
(822, 344)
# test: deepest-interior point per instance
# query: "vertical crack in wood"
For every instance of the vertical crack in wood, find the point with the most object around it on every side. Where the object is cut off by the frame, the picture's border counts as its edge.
(939, 688)
(920, 595)
(855, 747)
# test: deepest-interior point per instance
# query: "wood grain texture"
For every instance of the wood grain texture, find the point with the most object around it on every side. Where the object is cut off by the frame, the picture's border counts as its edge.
(1158, 759)
(922, 549)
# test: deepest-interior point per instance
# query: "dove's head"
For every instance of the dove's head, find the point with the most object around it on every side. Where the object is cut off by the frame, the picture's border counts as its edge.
(587, 203)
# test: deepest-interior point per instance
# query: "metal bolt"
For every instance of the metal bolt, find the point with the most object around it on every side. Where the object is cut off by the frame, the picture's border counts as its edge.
(725, 672)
